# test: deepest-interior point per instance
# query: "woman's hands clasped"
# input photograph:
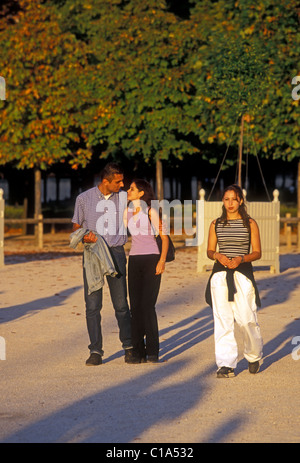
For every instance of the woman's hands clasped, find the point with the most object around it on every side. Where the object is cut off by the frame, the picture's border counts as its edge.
(232, 263)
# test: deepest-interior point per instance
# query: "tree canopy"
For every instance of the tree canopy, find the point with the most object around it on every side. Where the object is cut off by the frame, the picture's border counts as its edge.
(246, 66)
(143, 81)
(99, 76)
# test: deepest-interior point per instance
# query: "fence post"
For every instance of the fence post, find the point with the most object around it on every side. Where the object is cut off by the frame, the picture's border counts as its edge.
(39, 237)
(288, 232)
(2, 204)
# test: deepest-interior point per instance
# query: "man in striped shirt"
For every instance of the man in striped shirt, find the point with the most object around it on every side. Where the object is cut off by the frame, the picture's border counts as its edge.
(100, 210)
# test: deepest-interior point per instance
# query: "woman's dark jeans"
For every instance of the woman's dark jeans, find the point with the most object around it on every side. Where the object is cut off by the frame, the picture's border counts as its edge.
(143, 286)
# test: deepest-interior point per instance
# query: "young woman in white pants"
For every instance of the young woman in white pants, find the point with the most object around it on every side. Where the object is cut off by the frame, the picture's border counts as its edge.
(231, 289)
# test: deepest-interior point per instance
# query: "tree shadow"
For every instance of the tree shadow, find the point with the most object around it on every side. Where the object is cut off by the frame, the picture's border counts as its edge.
(283, 283)
(188, 333)
(280, 346)
(289, 261)
(123, 413)
(8, 314)
(222, 433)
(190, 330)
(23, 257)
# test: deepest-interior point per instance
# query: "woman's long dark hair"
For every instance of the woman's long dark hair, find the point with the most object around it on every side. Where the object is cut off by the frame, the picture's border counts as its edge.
(143, 185)
(242, 208)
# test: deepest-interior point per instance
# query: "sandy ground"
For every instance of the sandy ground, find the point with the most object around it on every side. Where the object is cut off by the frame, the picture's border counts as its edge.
(49, 395)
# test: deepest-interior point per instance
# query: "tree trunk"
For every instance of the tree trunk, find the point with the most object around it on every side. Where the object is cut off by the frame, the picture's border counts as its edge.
(38, 229)
(159, 180)
(241, 153)
(37, 192)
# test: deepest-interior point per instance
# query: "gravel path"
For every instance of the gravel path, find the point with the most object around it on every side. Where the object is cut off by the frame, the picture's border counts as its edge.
(49, 395)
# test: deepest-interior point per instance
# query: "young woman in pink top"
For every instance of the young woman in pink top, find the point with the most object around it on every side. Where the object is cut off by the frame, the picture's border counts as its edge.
(145, 267)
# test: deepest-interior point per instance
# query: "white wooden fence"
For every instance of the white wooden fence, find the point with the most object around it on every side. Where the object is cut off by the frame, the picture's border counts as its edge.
(267, 216)
(38, 222)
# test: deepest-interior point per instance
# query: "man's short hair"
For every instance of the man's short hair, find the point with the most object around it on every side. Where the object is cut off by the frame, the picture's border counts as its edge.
(110, 170)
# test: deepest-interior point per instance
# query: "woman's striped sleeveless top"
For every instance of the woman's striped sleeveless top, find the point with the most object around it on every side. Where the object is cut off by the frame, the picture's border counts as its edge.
(233, 238)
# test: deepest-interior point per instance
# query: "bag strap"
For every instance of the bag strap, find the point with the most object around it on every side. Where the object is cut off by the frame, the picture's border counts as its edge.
(154, 231)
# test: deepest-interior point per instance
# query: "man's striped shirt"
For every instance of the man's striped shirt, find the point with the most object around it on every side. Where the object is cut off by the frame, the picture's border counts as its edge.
(103, 216)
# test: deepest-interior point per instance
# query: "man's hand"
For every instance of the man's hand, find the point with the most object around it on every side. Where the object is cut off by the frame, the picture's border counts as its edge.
(90, 238)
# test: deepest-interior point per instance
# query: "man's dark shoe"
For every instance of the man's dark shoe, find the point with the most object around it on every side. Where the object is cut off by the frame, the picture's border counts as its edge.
(130, 357)
(134, 359)
(152, 358)
(225, 372)
(94, 359)
(253, 367)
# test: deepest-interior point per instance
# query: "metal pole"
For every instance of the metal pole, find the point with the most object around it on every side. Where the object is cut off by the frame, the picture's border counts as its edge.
(241, 153)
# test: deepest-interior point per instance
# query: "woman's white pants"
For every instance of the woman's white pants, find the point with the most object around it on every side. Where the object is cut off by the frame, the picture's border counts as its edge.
(243, 311)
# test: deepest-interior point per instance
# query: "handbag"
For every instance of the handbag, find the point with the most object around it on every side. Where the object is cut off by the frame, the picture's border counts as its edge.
(171, 249)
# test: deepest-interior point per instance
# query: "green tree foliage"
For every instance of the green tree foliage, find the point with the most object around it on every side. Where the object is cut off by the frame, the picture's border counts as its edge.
(246, 64)
(143, 81)
(128, 76)
(43, 69)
